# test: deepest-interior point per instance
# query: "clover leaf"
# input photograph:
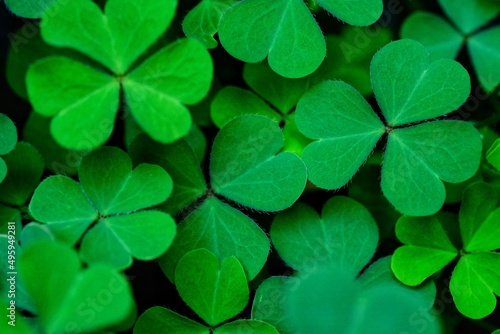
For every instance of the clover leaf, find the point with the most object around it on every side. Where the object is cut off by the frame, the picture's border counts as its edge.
(155, 91)
(428, 249)
(409, 88)
(107, 201)
(328, 254)
(29, 9)
(94, 298)
(286, 32)
(8, 139)
(202, 22)
(493, 154)
(444, 40)
(220, 294)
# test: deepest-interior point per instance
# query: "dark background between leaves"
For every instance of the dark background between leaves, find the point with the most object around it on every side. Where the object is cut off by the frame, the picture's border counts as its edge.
(151, 286)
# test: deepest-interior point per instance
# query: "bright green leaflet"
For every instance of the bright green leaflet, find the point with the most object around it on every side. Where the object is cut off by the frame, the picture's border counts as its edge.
(69, 285)
(493, 154)
(202, 22)
(25, 170)
(468, 16)
(109, 192)
(427, 249)
(115, 38)
(246, 327)
(282, 93)
(417, 158)
(215, 291)
(283, 30)
(57, 159)
(484, 50)
(159, 320)
(179, 161)
(244, 166)
(157, 90)
(35, 232)
(346, 235)
(354, 12)
(67, 89)
(348, 127)
(439, 38)
(410, 88)
(8, 139)
(28, 8)
(222, 230)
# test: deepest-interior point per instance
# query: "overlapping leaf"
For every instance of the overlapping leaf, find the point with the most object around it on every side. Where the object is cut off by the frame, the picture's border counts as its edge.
(409, 88)
(109, 195)
(8, 139)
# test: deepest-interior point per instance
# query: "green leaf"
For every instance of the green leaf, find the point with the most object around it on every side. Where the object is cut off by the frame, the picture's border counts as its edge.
(25, 170)
(84, 300)
(440, 39)
(246, 327)
(8, 135)
(283, 30)
(60, 202)
(426, 249)
(3, 170)
(222, 230)
(231, 102)
(158, 89)
(28, 8)
(108, 180)
(346, 130)
(357, 12)
(202, 22)
(117, 37)
(179, 161)
(245, 169)
(417, 158)
(282, 93)
(493, 154)
(478, 201)
(487, 236)
(410, 88)
(215, 291)
(67, 89)
(115, 240)
(346, 235)
(468, 16)
(159, 320)
(474, 282)
(33, 233)
(484, 51)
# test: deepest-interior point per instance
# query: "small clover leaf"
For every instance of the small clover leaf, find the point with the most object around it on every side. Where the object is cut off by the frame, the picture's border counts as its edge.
(155, 91)
(220, 294)
(202, 22)
(245, 169)
(28, 8)
(493, 154)
(428, 249)
(8, 139)
(161, 320)
(409, 88)
(108, 195)
(222, 230)
(68, 284)
(331, 251)
(443, 39)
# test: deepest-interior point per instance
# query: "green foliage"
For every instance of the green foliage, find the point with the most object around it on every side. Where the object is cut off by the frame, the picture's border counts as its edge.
(155, 91)
(8, 139)
(106, 200)
(409, 88)
(428, 249)
(443, 39)
(29, 9)
(493, 154)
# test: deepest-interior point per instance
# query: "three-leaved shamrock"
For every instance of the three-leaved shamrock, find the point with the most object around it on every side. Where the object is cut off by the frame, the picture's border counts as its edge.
(286, 32)
(444, 39)
(84, 98)
(106, 208)
(326, 295)
(430, 245)
(246, 168)
(410, 89)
